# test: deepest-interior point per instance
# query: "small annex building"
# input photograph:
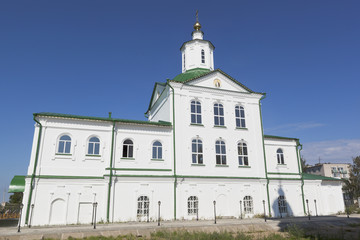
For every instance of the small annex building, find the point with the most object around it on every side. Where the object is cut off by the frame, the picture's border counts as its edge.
(203, 142)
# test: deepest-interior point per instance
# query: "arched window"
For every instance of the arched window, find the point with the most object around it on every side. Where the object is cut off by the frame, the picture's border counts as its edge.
(243, 154)
(282, 204)
(157, 150)
(128, 149)
(184, 61)
(240, 117)
(219, 114)
(142, 206)
(280, 156)
(197, 151)
(248, 205)
(202, 56)
(220, 152)
(193, 205)
(94, 146)
(195, 112)
(64, 145)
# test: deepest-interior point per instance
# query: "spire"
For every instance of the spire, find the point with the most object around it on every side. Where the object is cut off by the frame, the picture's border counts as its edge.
(197, 25)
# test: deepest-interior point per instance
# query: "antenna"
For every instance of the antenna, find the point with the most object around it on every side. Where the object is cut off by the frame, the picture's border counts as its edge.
(319, 160)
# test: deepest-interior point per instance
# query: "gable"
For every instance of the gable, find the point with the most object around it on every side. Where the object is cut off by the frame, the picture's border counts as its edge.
(158, 89)
(216, 79)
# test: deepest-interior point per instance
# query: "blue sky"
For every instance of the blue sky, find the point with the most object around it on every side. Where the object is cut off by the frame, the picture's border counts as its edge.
(92, 57)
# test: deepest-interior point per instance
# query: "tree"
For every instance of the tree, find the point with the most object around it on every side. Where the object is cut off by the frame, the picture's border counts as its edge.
(353, 183)
(304, 166)
(16, 198)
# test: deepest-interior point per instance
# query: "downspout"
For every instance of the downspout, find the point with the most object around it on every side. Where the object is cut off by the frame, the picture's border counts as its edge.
(175, 177)
(300, 172)
(110, 175)
(34, 171)
(262, 134)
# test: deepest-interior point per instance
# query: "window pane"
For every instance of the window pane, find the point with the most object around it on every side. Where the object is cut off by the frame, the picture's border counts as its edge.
(94, 139)
(193, 118)
(160, 152)
(67, 147)
(216, 120)
(198, 118)
(243, 123)
(245, 150)
(238, 123)
(194, 158)
(91, 148)
(97, 148)
(242, 113)
(237, 114)
(246, 162)
(221, 121)
(221, 111)
(130, 151)
(216, 112)
(217, 148)
(61, 147)
(154, 153)
(125, 151)
(218, 159)
(223, 158)
(240, 161)
(128, 141)
(65, 137)
(223, 151)
(192, 108)
(240, 150)
(200, 158)
(200, 150)
(193, 148)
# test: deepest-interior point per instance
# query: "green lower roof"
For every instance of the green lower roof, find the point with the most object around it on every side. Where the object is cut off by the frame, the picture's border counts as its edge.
(308, 176)
(17, 184)
(191, 74)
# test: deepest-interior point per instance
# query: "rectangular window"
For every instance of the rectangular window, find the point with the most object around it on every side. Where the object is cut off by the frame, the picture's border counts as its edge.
(219, 114)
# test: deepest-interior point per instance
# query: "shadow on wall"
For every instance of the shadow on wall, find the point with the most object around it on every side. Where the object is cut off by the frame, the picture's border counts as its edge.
(280, 207)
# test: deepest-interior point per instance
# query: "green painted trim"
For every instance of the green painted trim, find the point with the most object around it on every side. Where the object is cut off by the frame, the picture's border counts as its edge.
(218, 177)
(274, 173)
(110, 175)
(66, 177)
(262, 134)
(196, 124)
(244, 166)
(157, 159)
(241, 128)
(300, 172)
(278, 137)
(142, 169)
(145, 176)
(60, 115)
(153, 93)
(221, 165)
(219, 126)
(125, 158)
(173, 124)
(34, 170)
(92, 155)
(282, 164)
(197, 164)
(63, 154)
(297, 179)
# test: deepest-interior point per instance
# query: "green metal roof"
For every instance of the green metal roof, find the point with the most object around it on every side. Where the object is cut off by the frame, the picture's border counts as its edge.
(308, 176)
(191, 74)
(60, 115)
(17, 184)
(278, 137)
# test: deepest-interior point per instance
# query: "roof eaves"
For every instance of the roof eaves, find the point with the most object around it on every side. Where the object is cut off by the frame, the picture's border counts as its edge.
(308, 176)
(152, 95)
(278, 137)
(60, 115)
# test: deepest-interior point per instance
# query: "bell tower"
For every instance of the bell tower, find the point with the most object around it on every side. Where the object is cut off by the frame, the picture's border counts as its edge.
(197, 53)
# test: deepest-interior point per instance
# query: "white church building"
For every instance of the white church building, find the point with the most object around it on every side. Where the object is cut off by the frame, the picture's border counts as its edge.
(203, 142)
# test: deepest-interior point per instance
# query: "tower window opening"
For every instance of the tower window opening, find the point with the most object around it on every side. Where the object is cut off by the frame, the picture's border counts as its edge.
(202, 56)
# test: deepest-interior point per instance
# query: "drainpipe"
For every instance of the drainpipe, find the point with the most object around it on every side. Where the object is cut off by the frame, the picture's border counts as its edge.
(110, 175)
(34, 170)
(175, 178)
(262, 134)
(300, 172)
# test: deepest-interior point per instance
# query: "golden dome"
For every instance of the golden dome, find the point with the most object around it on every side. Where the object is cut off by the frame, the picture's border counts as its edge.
(197, 26)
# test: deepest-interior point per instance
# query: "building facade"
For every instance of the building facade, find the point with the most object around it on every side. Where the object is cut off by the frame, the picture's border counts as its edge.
(335, 170)
(203, 145)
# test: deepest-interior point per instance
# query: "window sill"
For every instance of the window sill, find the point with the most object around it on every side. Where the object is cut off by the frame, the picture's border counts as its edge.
(241, 128)
(219, 126)
(92, 155)
(220, 165)
(197, 164)
(127, 158)
(157, 159)
(241, 166)
(63, 154)
(196, 124)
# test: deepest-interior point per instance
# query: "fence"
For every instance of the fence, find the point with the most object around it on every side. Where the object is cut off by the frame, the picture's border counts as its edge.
(10, 211)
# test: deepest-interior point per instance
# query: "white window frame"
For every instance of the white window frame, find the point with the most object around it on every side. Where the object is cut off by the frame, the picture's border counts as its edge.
(65, 142)
(196, 113)
(248, 205)
(280, 156)
(218, 117)
(158, 150)
(197, 153)
(94, 145)
(129, 149)
(243, 154)
(240, 116)
(221, 154)
(193, 205)
(143, 203)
